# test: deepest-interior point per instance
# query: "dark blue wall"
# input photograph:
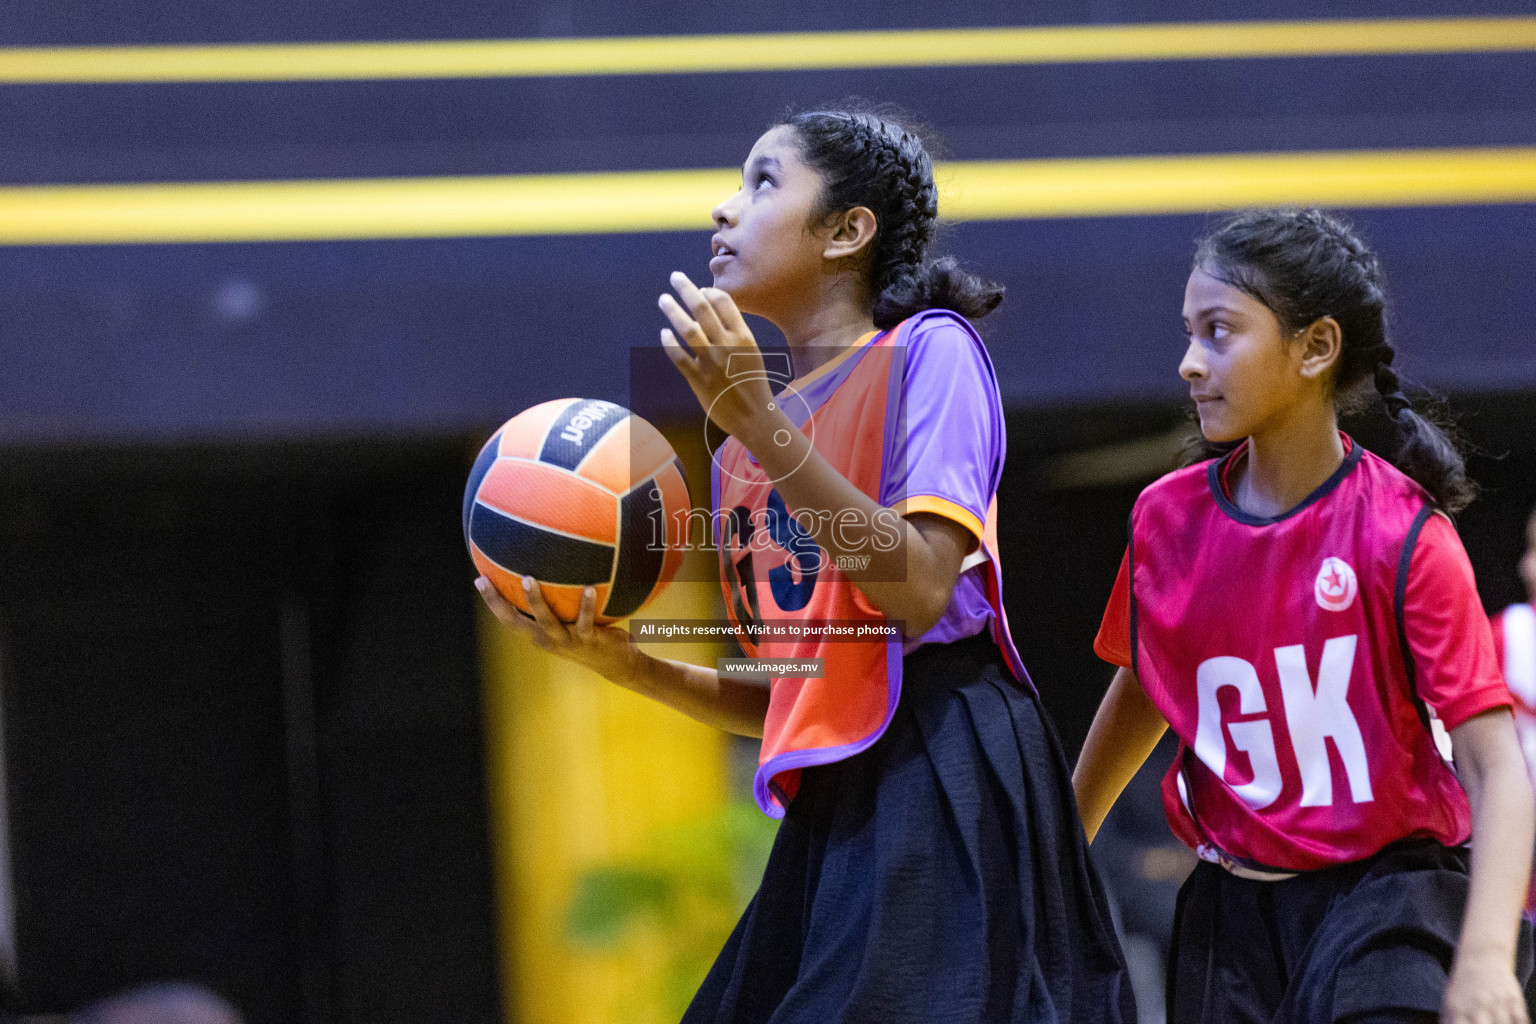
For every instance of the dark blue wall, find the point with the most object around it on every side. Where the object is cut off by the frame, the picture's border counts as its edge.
(99, 21)
(454, 335)
(277, 340)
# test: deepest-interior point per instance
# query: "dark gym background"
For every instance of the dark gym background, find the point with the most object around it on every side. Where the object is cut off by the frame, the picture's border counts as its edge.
(239, 679)
(242, 729)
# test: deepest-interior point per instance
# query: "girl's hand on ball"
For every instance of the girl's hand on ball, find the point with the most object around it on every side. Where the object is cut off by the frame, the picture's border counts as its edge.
(606, 650)
(722, 363)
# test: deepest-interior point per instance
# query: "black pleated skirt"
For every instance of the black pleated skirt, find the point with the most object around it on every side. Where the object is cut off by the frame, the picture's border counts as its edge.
(940, 876)
(1370, 939)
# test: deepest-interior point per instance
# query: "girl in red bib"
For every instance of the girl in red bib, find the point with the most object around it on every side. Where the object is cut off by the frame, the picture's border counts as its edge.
(930, 865)
(1301, 613)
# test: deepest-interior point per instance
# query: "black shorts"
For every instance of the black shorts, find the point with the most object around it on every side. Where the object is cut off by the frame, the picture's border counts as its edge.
(1369, 940)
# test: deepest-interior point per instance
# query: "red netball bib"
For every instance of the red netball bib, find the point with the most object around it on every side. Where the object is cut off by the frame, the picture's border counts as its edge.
(1275, 649)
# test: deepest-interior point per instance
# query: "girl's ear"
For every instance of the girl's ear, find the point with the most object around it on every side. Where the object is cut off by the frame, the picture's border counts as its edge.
(852, 233)
(1322, 343)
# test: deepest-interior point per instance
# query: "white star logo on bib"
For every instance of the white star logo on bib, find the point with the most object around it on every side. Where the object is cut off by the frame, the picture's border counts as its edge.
(1336, 586)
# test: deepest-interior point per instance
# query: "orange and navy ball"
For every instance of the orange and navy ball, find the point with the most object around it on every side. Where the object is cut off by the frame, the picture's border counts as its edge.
(578, 493)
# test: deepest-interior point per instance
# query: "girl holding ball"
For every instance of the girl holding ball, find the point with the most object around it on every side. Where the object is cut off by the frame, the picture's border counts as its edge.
(930, 865)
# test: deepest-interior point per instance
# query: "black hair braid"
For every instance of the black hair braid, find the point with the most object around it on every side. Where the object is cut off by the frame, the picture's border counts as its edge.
(1308, 264)
(900, 256)
(1389, 385)
(1376, 359)
(872, 160)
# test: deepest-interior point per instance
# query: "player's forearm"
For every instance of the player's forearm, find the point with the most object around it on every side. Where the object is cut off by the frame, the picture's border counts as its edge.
(883, 554)
(1125, 730)
(1492, 772)
(734, 705)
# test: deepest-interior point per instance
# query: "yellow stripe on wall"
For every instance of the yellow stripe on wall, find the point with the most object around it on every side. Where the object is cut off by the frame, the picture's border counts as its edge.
(643, 201)
(1007, 190)
(777, 51)
(265, 211)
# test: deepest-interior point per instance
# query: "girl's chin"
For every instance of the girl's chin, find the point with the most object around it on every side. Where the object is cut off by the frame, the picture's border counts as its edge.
(740, 295)
(1216, 432)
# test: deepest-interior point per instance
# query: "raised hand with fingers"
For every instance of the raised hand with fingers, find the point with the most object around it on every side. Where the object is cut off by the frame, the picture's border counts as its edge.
(721, 363)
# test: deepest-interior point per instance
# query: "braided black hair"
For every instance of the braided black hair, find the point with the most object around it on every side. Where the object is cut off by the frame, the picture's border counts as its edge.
(872, 159)
(1308, 264)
